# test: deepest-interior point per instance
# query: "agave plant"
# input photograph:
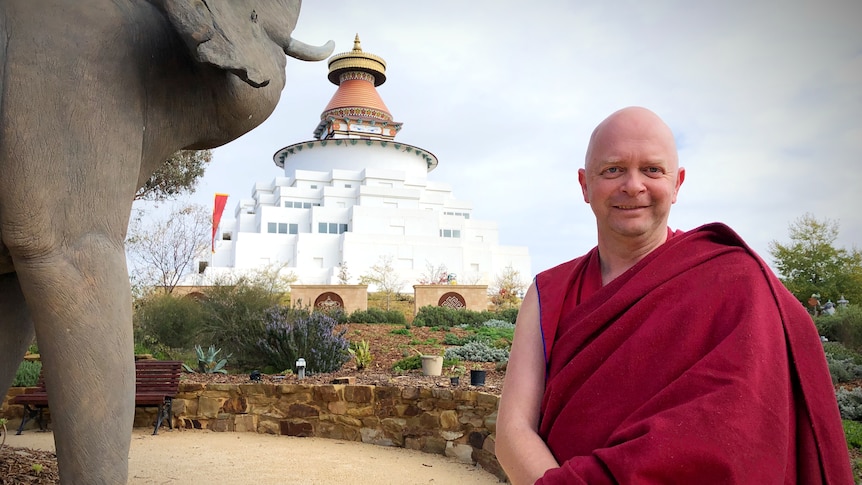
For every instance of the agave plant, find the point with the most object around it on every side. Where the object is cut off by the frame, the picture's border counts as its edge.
(207, 363)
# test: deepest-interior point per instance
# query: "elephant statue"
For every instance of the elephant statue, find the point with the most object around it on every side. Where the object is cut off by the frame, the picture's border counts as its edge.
(94, 95)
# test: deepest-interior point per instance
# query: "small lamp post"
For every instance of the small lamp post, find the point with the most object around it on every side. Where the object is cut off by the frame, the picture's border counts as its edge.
(300, 368)
(842, 302)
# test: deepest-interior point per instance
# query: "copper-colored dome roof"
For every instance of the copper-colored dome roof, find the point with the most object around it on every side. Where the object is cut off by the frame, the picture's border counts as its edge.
(357, 93)
(357, 74)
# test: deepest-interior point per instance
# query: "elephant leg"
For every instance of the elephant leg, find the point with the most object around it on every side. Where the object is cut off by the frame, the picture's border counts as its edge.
(16, 327)
(81, 308)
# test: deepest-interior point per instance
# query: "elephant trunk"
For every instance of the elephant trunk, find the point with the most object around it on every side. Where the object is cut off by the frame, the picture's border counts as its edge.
(304, 52)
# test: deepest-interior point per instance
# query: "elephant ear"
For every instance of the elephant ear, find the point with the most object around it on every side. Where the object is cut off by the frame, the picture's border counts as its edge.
(220, 34)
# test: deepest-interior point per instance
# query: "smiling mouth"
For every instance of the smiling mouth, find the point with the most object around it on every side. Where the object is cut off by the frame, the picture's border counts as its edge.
(629, 207)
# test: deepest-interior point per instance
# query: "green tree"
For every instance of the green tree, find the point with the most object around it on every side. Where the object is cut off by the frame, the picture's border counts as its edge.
(178, 175)
(811, 263)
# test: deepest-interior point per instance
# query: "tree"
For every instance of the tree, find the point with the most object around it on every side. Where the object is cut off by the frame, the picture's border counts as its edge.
(507, 289)
(274, 277)
(343, 275)
(178, 175)
(164, 250)
(384, 277)
(434, 275)
(811, 264)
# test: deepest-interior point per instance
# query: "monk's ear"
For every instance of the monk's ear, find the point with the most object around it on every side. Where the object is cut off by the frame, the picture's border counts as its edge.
(582, 179)
(680, 178)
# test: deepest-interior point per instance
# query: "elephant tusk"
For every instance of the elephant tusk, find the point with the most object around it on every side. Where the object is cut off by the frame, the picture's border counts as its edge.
(304, 52)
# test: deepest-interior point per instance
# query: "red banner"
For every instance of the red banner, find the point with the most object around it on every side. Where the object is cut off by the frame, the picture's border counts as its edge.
(218, 209)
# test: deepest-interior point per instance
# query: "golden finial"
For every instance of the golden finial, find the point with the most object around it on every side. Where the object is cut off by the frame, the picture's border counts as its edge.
(356, 60)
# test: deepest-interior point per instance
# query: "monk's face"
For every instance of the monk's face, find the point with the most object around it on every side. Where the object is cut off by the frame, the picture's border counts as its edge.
(632, 175)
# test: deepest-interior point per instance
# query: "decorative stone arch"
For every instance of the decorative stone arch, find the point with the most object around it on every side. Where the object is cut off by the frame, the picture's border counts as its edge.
(329, 301)
(452, 300)
(349, 298)
(470, 297)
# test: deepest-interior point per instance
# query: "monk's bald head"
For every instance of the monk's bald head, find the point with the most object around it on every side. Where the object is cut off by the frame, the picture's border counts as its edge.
(631, 124)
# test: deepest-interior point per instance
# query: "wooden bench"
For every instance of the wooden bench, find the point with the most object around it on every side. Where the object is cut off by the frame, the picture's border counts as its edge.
(156, 384)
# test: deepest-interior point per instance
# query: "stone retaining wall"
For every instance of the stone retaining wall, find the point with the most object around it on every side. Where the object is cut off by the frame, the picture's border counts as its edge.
(455, 423)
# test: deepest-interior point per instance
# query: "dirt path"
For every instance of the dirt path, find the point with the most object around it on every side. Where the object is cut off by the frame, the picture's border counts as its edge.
(195, 456)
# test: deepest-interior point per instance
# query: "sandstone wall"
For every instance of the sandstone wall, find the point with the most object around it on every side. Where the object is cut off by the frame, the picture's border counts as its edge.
(455, 423)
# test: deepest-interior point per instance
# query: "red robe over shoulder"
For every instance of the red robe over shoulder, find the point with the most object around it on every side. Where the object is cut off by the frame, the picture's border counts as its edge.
(694, 366)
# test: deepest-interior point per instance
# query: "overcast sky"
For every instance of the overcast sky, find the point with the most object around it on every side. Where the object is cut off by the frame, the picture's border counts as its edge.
(765, 99)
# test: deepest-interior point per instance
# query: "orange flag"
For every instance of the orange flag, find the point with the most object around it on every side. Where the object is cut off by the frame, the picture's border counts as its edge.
(218, 209)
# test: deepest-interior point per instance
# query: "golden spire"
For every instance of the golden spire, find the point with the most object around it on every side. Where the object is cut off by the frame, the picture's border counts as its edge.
(357, 60)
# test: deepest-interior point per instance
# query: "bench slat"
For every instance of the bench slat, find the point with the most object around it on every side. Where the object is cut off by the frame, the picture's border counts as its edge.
(156, 383)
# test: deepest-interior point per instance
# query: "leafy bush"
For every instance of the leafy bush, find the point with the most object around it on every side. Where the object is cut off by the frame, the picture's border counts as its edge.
(438, 316)
(400, 331)
(852, 433)
(844, 326)
(291, 333)
(27, 374)
(452, 339)
(377, 315)
(477, 351)
(168, 320)
(508, 314)
(497, 336)
(361, 353)
(235, 317)
(850, 403)
(840, 352)
(842, 370)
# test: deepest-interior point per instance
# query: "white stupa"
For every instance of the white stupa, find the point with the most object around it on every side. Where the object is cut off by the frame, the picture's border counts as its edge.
(356, 196)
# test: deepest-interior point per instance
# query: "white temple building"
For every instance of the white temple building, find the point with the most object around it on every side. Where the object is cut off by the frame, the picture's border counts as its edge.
(355, 195)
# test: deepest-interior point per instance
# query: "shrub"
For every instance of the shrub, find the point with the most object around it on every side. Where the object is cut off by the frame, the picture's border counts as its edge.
(27, 374)
(852, 433)
(438, 316)
(850, 403)
(477, 351)
(844, 326)
(168, 320)
(291, 333)
(842, 370)
(377, 315)
(452, 339)
(361, 353)
(509, 315)
(494, 323)
(840, 352)
(235, 317)
(499, 337)
(400, 331)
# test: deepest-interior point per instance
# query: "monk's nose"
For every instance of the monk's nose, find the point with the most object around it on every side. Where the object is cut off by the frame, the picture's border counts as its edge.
(632, 183)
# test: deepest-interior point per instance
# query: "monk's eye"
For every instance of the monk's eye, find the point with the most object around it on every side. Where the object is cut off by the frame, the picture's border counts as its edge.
(612, 170)
(654, 171)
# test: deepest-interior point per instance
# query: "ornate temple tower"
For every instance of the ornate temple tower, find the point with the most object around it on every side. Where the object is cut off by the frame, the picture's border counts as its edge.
(355, 196)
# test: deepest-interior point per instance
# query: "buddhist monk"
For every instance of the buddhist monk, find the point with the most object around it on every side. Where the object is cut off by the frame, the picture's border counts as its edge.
(663, 356)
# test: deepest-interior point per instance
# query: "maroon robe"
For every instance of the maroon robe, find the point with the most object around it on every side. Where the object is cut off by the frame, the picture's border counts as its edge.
(694, 366)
